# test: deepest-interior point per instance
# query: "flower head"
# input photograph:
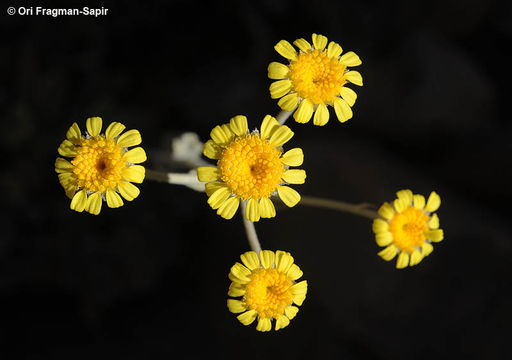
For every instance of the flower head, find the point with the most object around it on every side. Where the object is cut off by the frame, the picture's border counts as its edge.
(101, 167)
(267, 285)
(251, 167)
(407, 227)
(315, 77)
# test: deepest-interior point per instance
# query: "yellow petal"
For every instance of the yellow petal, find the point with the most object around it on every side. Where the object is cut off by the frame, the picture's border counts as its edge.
(63, 166)
(113, 199)
(348, 95)
(379, 226)
(228, 209)
(281, 136)
(433, 223)
(388, 253)
(114, 130)
(293, 157)
(291, 311)
(416, 258)
(211, 150)
(288, 102)
(236, 306)
(406, 195)
(269, 125)
(277, 71)
(238, 125)
(289, 196)
(383, 238)
(386, 211)
(207, 173)
(67, 148)
(319, 41)
(294, 272)
(250, 260)
(93, 125)
(354, 77)
(342, 110)
(240, 272)
(236, 290)
(128, 190)
(267, 258)
(134, 173)
(283, 261)
(418, 201)
(93, 205)
(264, 324)
(435, 235)
(300, 287)
(299, 299)
(426, 249)
(294, 176)
(321, 115)
(252, 210)
(282, 322)
(129, 138)
(304, 112)
(334, 50)
(79, 201)
(219, 135)
(280, 88)
(218, 197)
(74, 134)
(267, 209)
(402, 261)
(213, 186)
(68, 182)
(350, 59)
(303, 45)
(247, 317)
(135, 156)
(400, 205)
(286, 50)
(433, 202)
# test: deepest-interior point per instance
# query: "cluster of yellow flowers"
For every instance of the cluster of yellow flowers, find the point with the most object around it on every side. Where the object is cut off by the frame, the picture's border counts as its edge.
(251, 168)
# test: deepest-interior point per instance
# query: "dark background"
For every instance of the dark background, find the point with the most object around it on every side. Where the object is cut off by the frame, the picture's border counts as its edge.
(149, 280)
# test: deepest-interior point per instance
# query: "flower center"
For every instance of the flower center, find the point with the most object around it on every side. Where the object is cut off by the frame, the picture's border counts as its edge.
(251, 167)
(268, 292)
(317, 77)
(408, 229)
(98, 164)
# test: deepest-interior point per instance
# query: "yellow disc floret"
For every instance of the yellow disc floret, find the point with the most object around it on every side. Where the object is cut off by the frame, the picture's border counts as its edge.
(408, 229)
(98, 164)
(268, 293)
(317, 77)
(251, 167)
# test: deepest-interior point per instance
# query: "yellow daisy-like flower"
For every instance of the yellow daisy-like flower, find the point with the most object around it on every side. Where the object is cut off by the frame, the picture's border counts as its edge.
(101, 167)
(315, 78)
(407, 227)
(268, 287)
(251, 167)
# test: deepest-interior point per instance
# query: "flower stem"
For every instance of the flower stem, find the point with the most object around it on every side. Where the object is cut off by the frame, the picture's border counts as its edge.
(250, 230)
(283, 116)
(356, 209)
(187, 179)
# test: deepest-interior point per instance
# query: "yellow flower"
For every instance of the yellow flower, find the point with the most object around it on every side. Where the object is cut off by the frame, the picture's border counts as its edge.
(101, 167)
(315, 78)
(268, 289)
(251, 167)
(407, 227)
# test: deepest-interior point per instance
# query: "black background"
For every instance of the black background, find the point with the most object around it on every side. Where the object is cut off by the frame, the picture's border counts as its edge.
(149, 280)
